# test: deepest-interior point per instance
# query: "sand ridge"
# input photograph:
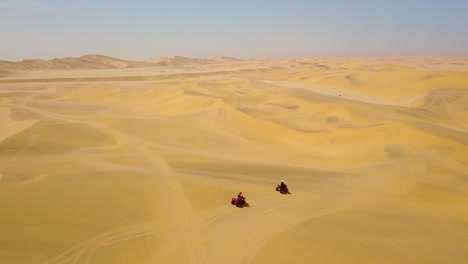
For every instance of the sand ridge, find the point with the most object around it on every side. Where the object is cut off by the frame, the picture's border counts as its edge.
(138, 165)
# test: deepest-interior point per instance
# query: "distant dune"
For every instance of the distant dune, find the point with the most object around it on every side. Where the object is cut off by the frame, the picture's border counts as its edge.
(3, 72)
(95, 61)
(182, 61)
(100, 62)
(83, 62)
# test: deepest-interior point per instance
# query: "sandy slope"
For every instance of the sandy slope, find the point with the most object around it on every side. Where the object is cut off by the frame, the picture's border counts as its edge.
(139, 165)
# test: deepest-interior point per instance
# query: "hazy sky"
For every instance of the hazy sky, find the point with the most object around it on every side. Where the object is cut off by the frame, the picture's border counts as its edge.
(140, 29)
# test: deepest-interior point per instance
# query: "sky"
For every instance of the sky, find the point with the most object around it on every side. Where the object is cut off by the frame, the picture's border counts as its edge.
(140, 30)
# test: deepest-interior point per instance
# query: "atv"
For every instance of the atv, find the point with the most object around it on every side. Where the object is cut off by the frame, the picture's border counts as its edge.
(282, 189)
(239, 201)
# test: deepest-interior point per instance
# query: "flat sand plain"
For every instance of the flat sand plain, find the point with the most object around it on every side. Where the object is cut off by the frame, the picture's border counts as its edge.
(139, 165)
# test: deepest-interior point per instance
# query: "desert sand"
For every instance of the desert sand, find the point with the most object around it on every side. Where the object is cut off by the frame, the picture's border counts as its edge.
(109, 161)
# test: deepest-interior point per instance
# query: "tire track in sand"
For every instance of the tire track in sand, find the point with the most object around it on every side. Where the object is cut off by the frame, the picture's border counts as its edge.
(269, 220)
(87, 248)
(264, 226)
(185, 216)
(191, 236)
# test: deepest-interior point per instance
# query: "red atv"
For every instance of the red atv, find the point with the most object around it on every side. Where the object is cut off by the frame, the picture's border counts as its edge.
(239, 201)
(282, 189)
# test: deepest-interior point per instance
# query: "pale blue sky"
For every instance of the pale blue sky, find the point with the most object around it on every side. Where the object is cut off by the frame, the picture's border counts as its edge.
(141, 30)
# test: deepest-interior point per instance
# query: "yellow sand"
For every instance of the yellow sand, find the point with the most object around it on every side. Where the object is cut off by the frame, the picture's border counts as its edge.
(139, 165)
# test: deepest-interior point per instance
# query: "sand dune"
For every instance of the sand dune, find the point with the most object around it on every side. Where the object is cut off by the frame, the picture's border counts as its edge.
(114, 161)
(184, 61)
(95, 61)
(84, 62)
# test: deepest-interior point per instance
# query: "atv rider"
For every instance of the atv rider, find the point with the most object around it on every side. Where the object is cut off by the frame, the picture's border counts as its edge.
(282, 186)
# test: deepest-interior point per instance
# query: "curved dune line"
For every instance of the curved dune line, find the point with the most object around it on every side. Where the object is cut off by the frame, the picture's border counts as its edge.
(48, 114)
(192, 239)
(108, 238)
(92, 247)
(121, 232)
(184, 216)
(117, 240)
(10, 127)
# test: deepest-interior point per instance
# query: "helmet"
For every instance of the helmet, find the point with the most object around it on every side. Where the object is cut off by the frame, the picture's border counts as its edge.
(282, 180)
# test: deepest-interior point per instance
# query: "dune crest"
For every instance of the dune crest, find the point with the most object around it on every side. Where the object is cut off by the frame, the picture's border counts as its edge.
(96, 61)
(11, 127)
